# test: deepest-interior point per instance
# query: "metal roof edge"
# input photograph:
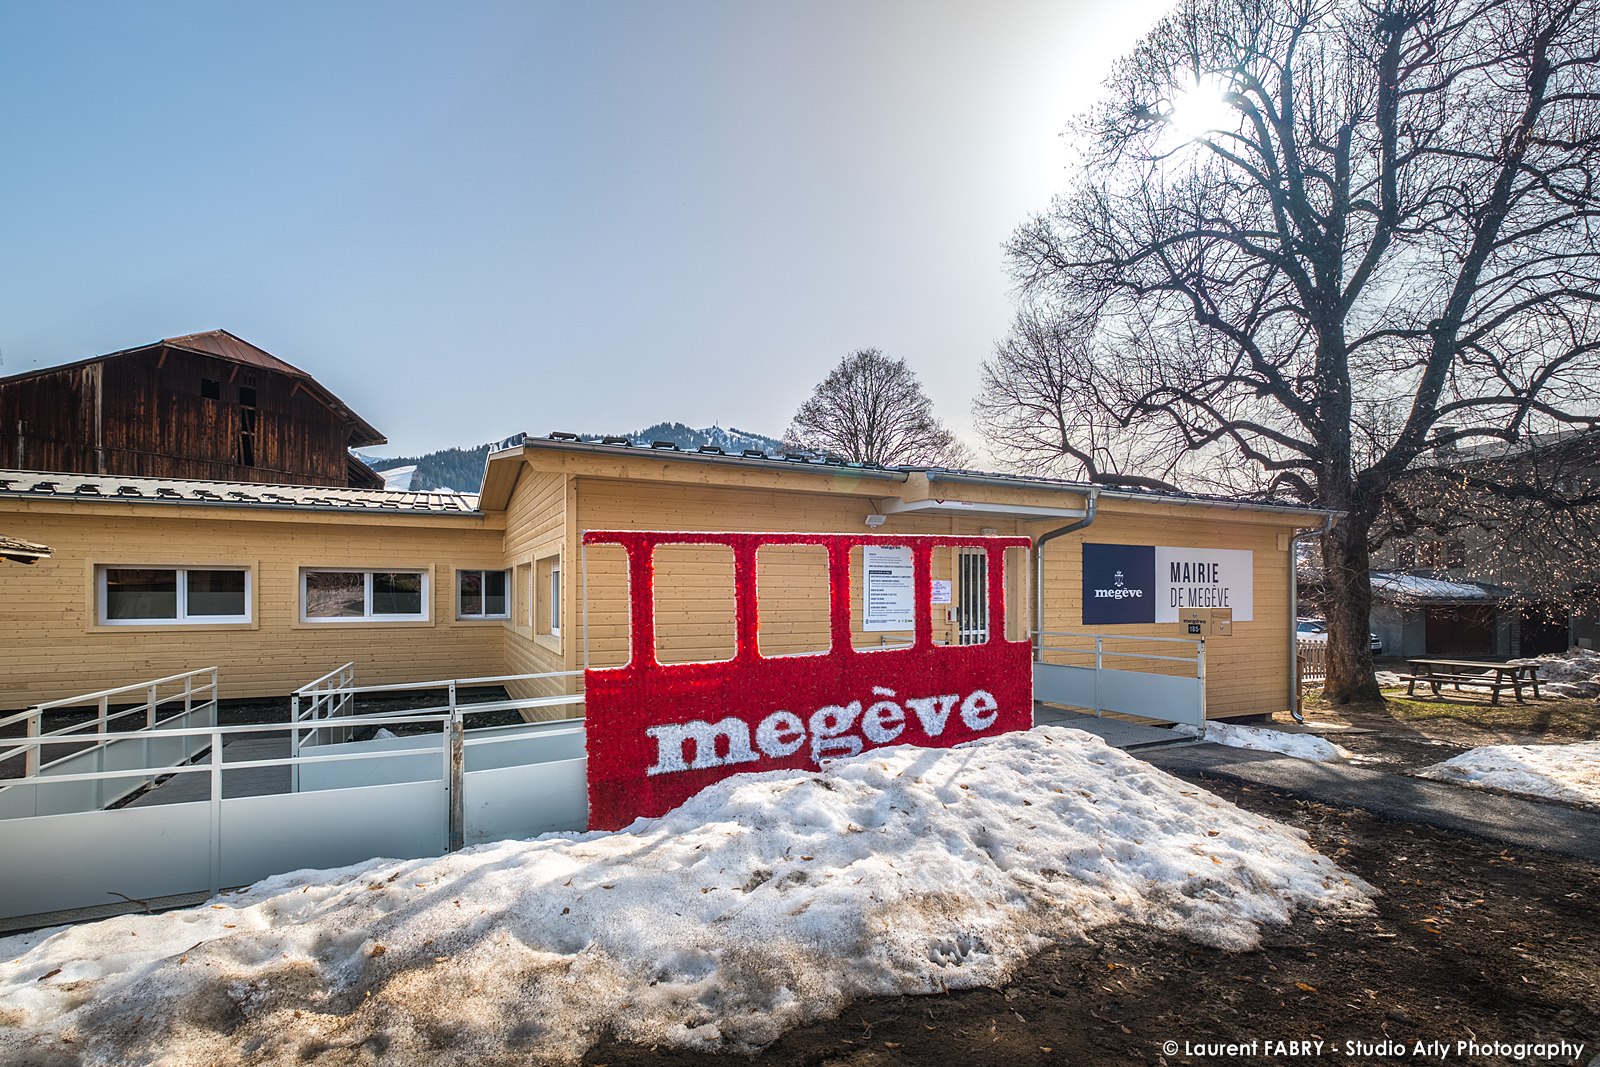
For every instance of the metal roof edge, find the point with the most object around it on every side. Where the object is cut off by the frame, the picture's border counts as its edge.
(893, 474)
(468, 504)
(1084, 488)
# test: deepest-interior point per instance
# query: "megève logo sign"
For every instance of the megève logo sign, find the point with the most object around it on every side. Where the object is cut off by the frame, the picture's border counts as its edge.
(657, 733)
(831, 732)
(1156, 583)
(1118, 590)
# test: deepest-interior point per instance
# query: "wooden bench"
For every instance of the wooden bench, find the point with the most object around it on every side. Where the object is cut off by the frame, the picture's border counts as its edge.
(1494, 677)
(1438, 681)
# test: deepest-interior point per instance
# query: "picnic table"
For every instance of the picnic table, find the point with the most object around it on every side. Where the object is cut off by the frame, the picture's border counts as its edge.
(1470, 672)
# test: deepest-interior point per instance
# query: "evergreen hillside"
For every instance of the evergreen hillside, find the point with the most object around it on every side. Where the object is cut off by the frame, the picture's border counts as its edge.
(461, 469)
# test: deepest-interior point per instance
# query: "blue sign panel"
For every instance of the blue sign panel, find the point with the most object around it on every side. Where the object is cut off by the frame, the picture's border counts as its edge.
(1119, 584)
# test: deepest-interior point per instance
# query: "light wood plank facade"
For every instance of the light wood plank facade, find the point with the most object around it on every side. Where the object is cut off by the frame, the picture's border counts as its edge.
(537, 500)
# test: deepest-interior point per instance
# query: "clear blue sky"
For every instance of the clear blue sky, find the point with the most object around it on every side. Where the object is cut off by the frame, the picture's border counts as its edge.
(473, 219)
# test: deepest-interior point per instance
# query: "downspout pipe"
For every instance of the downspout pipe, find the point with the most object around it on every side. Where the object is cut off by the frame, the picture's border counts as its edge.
(1038, 565)
(1294, 613)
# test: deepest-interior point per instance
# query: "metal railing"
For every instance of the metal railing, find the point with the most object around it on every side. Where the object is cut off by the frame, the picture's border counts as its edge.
(214, 764)
(328, 697)
(334, 694)
(196, 691)
(1100, 651)
(1092, 648)
(258, 778)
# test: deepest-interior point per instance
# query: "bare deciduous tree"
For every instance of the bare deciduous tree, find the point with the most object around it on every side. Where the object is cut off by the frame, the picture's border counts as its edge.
(1377, 242)
(871, 409)
(1526, 515)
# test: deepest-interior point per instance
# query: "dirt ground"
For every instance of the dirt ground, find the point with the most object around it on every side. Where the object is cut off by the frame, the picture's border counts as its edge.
(1471, 942)
(1402, 734)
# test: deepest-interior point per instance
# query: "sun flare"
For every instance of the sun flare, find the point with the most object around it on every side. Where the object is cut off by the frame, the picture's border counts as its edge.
(1200, 106)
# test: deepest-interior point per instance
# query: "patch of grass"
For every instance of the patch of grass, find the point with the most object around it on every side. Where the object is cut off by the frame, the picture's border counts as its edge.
(1556, 717)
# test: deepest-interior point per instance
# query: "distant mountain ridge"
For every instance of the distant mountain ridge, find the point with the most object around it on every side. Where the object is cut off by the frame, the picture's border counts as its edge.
(460, 470)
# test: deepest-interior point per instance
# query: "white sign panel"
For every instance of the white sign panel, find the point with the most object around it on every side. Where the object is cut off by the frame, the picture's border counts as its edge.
(1202, 578)
(888, 600)
(942, 592)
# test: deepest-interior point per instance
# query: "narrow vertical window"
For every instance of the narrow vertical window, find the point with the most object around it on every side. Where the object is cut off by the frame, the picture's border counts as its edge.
(544, 601)
(555, 600)
(247, 426)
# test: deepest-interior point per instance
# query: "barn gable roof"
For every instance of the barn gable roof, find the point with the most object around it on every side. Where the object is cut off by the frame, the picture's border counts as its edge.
(220, 344)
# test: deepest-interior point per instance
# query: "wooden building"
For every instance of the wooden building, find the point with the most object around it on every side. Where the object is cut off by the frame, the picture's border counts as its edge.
(206, 406)
(279, 585)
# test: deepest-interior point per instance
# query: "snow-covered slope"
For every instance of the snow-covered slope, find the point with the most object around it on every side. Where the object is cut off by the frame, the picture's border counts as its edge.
(767, 900)
(460, 470)
(398, 479)
(728, 439)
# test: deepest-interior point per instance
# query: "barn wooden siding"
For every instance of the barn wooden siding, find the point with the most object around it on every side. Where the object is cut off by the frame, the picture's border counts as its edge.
(142, 413)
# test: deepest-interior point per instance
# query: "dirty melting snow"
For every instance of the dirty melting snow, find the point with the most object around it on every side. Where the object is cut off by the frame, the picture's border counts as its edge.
(765, 901)
(1557, 772)
(1575, 673)
(1302, 746)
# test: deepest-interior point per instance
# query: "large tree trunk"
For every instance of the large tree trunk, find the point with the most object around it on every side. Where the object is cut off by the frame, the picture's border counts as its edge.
(1348, 603)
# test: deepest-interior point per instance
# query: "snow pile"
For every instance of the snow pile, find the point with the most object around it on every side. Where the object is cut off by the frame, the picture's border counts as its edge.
(767, 900)
(1387, 679)
(1301, 746)
(1569, 674)
(1557, 772)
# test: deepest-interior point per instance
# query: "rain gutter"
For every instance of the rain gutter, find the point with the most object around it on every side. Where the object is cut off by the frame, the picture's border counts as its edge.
(1038, 562)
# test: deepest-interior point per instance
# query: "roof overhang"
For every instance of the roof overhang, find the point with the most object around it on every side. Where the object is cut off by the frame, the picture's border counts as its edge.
(896, 506)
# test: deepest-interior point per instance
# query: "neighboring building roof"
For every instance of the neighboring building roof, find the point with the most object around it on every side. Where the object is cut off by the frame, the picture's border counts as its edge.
(221, 344)
(1581, 442)
(1416, 588)
(19, 551)
(834, 465)
(122, 490)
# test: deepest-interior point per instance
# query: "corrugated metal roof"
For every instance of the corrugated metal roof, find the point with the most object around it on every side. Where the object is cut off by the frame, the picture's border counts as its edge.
(224, 345)
(39, 485)
(1417, 587)
(829, 464)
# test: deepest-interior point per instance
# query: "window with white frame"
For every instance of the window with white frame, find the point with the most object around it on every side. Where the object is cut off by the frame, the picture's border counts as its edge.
(483, 594)
(342, 595)
(130, 596)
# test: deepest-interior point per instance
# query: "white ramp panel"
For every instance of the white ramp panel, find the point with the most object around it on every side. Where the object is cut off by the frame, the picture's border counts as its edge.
(327, 828)
(516, 802)
(83, 859)
(516, 746)
(1055, 683)
(1152, 696)
(423, 761)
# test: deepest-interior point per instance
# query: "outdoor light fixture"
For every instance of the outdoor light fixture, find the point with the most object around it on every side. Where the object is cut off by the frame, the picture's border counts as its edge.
(876, 521)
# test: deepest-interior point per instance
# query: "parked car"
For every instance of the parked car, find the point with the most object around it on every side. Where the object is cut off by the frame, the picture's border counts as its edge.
(1317, 630)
